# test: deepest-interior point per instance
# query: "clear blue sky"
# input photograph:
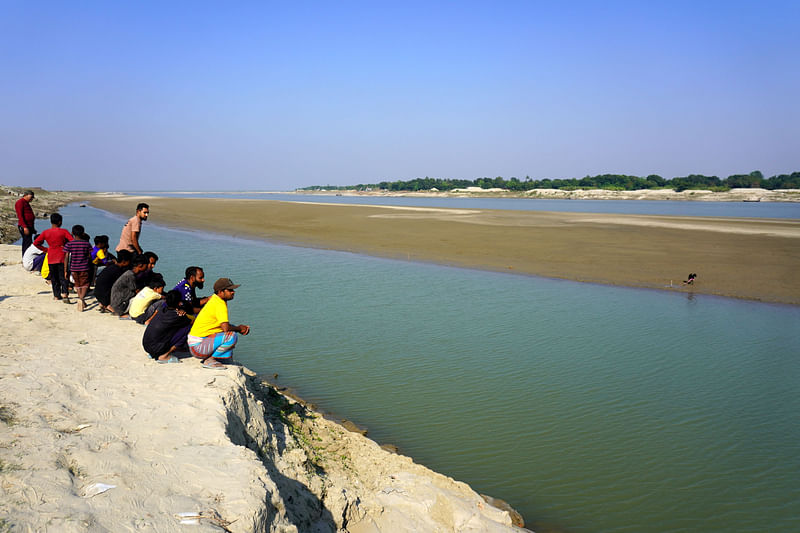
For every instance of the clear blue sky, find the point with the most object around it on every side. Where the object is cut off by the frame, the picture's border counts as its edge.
(272, 96)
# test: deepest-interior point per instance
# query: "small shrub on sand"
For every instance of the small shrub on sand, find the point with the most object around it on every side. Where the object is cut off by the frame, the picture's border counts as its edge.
(7, 415)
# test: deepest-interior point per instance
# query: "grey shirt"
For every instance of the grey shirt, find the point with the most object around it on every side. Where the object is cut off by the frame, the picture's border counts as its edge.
(122, 291)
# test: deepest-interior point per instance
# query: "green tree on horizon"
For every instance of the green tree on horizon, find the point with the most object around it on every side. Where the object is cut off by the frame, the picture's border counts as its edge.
(619, 182)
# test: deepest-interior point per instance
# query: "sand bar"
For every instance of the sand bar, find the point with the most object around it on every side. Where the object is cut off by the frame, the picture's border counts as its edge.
(95, 436)
(693, 195)
(755, 259)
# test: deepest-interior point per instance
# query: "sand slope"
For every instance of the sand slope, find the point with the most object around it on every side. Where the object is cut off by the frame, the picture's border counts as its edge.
(82, 405)
(45, 202)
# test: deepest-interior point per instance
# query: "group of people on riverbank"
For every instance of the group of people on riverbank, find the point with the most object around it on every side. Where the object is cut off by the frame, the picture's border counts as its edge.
(125, 284)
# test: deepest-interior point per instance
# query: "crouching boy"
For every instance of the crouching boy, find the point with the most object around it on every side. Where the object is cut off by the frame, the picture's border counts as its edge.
(148, 300)
(166, 333)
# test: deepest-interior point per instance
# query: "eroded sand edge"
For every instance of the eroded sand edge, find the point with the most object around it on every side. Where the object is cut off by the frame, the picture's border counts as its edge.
(84, 409)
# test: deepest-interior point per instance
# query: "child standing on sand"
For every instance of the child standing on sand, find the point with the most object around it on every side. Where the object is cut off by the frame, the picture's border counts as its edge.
(100, 255)
(79, 257)
(56, 238)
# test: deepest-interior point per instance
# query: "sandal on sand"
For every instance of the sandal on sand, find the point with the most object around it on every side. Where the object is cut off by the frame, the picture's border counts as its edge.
(172, 359)
(81, 305)
(214, 365)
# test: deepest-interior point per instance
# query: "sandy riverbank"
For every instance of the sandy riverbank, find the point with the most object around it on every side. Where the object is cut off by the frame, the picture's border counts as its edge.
(754, 259)
(82, 409)
(45, 203)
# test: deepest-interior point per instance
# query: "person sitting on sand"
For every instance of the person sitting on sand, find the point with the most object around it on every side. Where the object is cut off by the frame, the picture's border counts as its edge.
(690, 279)
(194, 278)
(32, 259)
(125, 287)
(79, 259)
(108, 276)
(148, 300)
(152, 259)
(55, 237)
(143, 278)
(212, 338)
(100, 255)
(168, 330)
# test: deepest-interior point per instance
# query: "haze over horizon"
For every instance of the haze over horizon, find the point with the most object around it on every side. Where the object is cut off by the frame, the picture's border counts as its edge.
(263, 96)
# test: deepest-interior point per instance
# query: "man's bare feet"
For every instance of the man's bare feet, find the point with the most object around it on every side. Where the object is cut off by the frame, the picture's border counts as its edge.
(165, 356)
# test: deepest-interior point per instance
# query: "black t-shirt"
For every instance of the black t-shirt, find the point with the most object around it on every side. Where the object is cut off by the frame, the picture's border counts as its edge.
(143, 279)
(157, 338)
(105, 280)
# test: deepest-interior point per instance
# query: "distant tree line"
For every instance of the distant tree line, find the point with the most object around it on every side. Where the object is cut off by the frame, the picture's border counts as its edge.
(616, 182)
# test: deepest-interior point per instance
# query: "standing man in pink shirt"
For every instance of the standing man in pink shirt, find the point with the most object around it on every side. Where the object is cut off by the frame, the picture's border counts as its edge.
(129, 239)
(26, 219)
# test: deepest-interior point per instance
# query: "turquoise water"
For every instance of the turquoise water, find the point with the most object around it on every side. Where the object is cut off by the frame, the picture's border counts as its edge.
(588, 408)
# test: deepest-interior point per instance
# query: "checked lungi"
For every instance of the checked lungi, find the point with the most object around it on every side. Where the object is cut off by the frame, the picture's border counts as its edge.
(219, 345)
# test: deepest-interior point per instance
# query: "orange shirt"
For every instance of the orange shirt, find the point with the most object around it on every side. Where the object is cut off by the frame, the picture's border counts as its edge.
(134, 225)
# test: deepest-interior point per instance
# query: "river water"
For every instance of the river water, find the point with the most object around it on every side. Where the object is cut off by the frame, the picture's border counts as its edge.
(630, 207)
(588, 408)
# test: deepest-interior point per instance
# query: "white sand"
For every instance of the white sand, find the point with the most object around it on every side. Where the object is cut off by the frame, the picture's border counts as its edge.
(83, 405)
(733, 195)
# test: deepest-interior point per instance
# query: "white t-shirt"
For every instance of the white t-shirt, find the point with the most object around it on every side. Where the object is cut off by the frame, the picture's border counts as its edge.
(29, 256)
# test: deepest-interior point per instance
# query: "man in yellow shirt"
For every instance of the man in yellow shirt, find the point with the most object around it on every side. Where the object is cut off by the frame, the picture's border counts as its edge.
(212, 338)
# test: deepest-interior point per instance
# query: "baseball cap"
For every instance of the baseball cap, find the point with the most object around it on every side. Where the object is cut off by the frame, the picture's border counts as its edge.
(224, 283)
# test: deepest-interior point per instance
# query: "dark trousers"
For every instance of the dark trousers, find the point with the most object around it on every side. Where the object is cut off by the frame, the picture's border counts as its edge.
(179, 339)
(27, 240)
(38, 261)
(58, 280)
(150, 311)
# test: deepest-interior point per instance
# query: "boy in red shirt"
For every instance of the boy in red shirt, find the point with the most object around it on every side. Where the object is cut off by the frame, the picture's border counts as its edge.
(56, 238)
